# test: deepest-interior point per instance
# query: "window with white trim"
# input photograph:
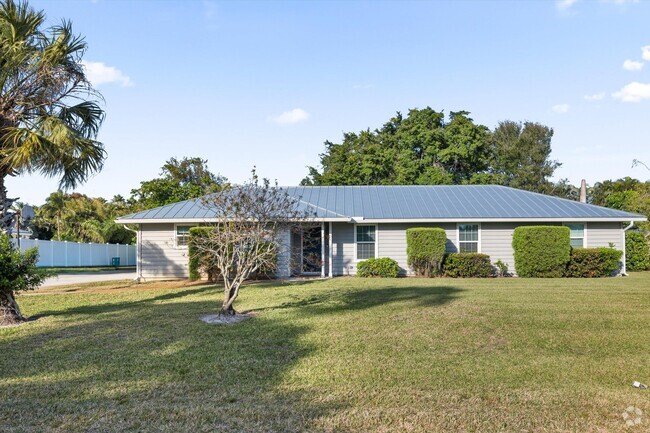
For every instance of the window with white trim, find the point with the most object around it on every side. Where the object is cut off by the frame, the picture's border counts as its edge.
(182, 235)
(468, 238)
(577, 235)
(366, 238)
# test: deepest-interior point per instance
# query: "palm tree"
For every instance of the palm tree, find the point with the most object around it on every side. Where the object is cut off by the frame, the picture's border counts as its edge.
(54, 209)
(49, 111)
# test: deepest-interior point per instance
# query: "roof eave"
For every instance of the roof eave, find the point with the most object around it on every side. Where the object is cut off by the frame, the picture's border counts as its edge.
(360, 220)
(483, 219)
(206, 220)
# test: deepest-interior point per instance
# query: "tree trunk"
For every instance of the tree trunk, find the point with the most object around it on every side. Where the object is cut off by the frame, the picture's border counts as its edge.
(230, 295)
(9, 310)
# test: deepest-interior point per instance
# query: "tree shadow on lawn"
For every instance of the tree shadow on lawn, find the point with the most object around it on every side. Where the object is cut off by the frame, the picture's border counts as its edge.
(109, 307)
(337, 301)
(155, 367)
(152, 365)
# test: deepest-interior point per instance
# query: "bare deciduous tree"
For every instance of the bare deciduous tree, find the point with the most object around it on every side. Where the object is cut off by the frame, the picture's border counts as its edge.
(251, 225)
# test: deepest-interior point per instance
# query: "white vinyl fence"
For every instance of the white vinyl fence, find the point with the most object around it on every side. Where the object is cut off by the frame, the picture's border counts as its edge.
(75, 254)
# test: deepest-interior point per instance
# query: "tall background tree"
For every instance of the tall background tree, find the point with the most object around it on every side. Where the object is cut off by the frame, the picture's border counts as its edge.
(426, 148)
(49, 111)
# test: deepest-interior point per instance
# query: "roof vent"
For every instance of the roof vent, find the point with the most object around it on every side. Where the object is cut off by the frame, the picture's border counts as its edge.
(583, 191)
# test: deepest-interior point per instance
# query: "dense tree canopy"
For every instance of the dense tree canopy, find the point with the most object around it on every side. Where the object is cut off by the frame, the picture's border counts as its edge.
(427, 148)
(179, 180)
(77, 217)
(626, 194)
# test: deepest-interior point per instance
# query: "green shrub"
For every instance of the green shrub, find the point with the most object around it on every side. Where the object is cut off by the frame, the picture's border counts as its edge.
(501, 268)
(425, 249)
(541, 251)
(467, 265)
(383, 268)
(200, 264)
(593, 262)
(637, 252)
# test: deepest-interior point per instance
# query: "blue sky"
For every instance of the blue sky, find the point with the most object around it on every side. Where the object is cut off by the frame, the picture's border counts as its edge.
(266, 83)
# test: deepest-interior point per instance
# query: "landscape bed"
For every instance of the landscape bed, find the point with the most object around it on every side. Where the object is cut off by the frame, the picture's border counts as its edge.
(339, 355)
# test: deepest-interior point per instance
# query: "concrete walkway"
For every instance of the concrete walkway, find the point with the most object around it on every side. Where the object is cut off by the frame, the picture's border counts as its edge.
(87, 277)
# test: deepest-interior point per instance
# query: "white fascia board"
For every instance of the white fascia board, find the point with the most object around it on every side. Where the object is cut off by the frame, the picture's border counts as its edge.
(392, 220)
(470, 220)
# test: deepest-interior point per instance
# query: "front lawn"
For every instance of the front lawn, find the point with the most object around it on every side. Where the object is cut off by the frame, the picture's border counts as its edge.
(341, 355)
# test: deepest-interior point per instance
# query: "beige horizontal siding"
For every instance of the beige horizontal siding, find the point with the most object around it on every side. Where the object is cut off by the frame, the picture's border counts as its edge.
(602, 234)
(160, 259)
(343, 260)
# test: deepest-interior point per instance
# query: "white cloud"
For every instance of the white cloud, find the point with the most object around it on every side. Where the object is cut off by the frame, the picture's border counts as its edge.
(633, 92)
(632, 65)
(595, 97)
(296, 115)
(561, 108)
(98, 73)
(645, 52)
(564, 4)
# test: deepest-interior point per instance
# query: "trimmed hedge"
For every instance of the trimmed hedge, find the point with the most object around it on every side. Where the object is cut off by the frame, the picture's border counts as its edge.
(637, 251)
(382, 268)
(425, 250)
(541, 251)
(467, 265)
(593, 262)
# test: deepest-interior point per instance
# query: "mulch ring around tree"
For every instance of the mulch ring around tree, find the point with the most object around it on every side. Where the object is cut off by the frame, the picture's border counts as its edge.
(225, 319)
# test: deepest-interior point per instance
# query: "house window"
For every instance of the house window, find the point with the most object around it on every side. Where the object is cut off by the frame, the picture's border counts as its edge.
(366, 242)
(577, 235)
(468, 238)
(182, 235)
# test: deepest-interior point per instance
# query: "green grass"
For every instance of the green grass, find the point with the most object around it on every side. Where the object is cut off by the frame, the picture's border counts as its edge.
(344, 355)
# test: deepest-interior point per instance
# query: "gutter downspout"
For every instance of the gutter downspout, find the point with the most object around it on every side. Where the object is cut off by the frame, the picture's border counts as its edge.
(138, 268)
(624, 273)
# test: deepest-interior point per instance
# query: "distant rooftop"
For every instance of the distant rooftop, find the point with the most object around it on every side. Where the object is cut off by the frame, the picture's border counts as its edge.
(413, 202)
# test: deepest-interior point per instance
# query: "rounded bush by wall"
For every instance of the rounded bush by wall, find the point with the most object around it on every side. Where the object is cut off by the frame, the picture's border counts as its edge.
(467, 265)
(382, 268)
(594, 262)
(541, 251)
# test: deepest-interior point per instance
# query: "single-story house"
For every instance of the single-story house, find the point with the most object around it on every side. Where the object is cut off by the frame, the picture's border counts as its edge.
(360, 222)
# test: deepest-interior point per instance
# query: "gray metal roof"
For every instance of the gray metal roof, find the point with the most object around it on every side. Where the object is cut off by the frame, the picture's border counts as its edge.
(415, 202)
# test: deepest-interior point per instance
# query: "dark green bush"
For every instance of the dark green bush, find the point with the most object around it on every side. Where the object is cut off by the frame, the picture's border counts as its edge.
(383, 268)
(541, 251)
(467, 265)
(593, 262)
(425, 249)
(637, 252)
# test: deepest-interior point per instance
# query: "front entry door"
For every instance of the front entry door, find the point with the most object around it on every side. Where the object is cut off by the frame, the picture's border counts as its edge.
(311, 251)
